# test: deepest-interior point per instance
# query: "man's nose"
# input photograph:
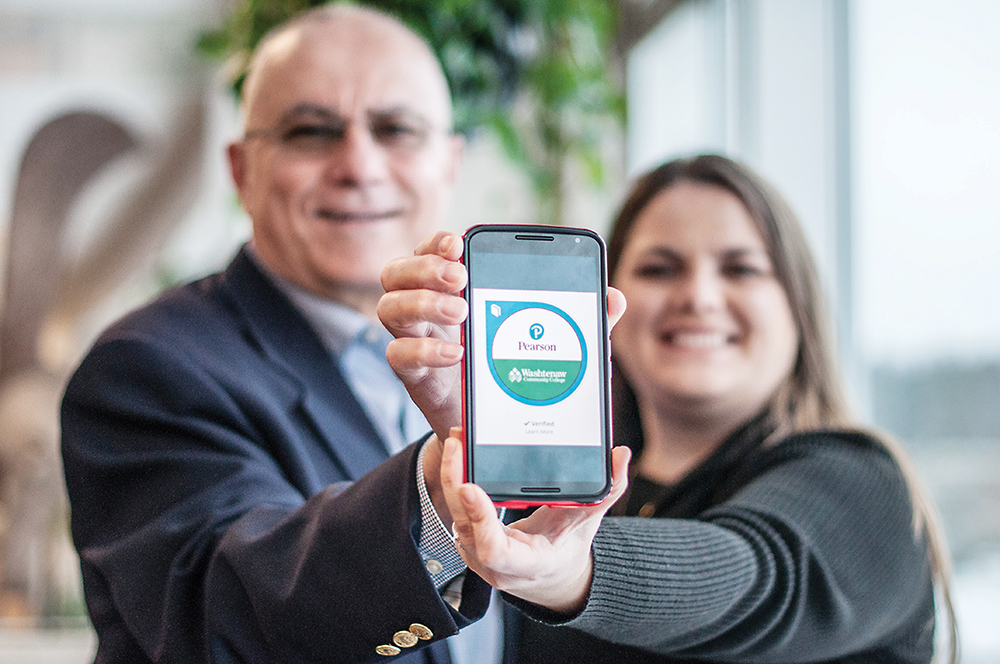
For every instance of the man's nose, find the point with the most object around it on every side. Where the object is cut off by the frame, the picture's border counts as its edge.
(358, 160)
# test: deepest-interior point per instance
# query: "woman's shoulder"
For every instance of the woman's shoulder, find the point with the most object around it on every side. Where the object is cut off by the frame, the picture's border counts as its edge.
(824, 465)
(832, 444)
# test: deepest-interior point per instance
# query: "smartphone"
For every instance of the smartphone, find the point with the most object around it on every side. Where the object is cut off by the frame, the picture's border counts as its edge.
(536, 374)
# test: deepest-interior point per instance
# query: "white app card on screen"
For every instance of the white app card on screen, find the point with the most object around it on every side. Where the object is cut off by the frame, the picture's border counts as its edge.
(535, 375)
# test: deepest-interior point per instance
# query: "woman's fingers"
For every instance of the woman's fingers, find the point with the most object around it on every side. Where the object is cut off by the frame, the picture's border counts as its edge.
(453, 475)
(480, 536)
(620, 458)
(471, 508)
(553, 524)
(479, 533)
(545, 558)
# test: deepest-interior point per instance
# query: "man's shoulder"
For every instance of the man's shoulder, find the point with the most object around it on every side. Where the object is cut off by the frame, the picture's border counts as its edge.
(228, 318)
(191, 309)
(218, 315)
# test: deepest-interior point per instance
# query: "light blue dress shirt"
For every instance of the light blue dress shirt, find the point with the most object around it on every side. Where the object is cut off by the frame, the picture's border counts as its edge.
(359, 347)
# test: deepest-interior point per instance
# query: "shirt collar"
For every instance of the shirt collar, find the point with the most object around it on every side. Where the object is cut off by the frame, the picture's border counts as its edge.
(337, 325)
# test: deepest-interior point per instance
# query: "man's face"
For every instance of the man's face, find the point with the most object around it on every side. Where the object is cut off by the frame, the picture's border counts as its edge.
(348, 160)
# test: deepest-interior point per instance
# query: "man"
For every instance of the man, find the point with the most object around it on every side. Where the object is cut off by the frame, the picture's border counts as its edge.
(228, 448)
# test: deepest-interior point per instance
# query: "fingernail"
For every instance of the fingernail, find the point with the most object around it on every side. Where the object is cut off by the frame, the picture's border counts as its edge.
(452, 273)
(452, 307)
(451, 352)
(446, 244)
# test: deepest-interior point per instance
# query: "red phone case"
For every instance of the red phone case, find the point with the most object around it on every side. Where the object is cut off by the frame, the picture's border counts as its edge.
(512, 504)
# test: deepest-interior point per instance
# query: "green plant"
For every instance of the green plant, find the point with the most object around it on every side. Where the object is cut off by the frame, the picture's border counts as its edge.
(548, 56)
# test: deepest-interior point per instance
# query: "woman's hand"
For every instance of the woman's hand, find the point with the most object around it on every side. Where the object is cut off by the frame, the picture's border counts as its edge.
(544, 558)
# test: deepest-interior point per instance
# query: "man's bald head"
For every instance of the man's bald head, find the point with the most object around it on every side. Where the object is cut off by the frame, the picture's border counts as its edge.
(348, 159)
(361, 29)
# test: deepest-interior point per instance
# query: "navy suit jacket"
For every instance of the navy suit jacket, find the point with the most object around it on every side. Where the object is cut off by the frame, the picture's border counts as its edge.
(231, 502)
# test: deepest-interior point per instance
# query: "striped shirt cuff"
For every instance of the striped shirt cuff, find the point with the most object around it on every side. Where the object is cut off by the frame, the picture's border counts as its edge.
(436, 546)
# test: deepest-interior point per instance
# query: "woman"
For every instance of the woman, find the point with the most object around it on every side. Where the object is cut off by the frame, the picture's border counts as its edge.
(781, 532)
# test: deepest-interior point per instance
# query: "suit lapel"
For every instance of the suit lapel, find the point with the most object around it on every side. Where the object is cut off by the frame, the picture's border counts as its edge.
(291, 345)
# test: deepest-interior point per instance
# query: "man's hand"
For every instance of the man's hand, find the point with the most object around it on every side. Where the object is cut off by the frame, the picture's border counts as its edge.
(423, 307)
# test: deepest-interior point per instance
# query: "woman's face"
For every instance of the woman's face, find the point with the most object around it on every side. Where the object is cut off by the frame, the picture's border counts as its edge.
(708, 325)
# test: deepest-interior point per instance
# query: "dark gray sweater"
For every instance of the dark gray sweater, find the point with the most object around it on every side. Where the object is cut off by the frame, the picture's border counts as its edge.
(802, 551)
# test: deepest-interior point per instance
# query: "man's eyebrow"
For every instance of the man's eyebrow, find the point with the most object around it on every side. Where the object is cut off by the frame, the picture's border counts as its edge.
(315, 111)
(309, 110)
(399, 111)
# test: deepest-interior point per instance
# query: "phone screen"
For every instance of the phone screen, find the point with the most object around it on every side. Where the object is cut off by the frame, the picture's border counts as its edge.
(536, 395)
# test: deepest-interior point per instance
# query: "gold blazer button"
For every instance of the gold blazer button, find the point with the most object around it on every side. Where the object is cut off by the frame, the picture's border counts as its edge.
(422, 632)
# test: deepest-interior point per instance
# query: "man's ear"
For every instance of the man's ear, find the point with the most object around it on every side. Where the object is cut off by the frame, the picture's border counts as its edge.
(237, 165)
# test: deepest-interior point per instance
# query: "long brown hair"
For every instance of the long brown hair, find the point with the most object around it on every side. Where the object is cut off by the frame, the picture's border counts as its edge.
(812, 396)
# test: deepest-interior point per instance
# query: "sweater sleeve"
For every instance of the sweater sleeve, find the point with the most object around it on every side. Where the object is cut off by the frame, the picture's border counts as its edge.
(813, 559)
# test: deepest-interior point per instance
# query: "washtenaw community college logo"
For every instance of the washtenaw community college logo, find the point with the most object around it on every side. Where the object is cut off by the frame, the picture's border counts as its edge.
(536, 352)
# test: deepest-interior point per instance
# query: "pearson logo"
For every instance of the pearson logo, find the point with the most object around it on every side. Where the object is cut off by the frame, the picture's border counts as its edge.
(536, 351)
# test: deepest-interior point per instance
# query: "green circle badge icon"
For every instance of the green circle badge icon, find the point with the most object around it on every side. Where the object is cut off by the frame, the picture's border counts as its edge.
(536, 351)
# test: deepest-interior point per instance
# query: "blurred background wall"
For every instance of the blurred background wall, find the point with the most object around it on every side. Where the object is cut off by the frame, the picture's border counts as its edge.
(112, 184)
(878, 119)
